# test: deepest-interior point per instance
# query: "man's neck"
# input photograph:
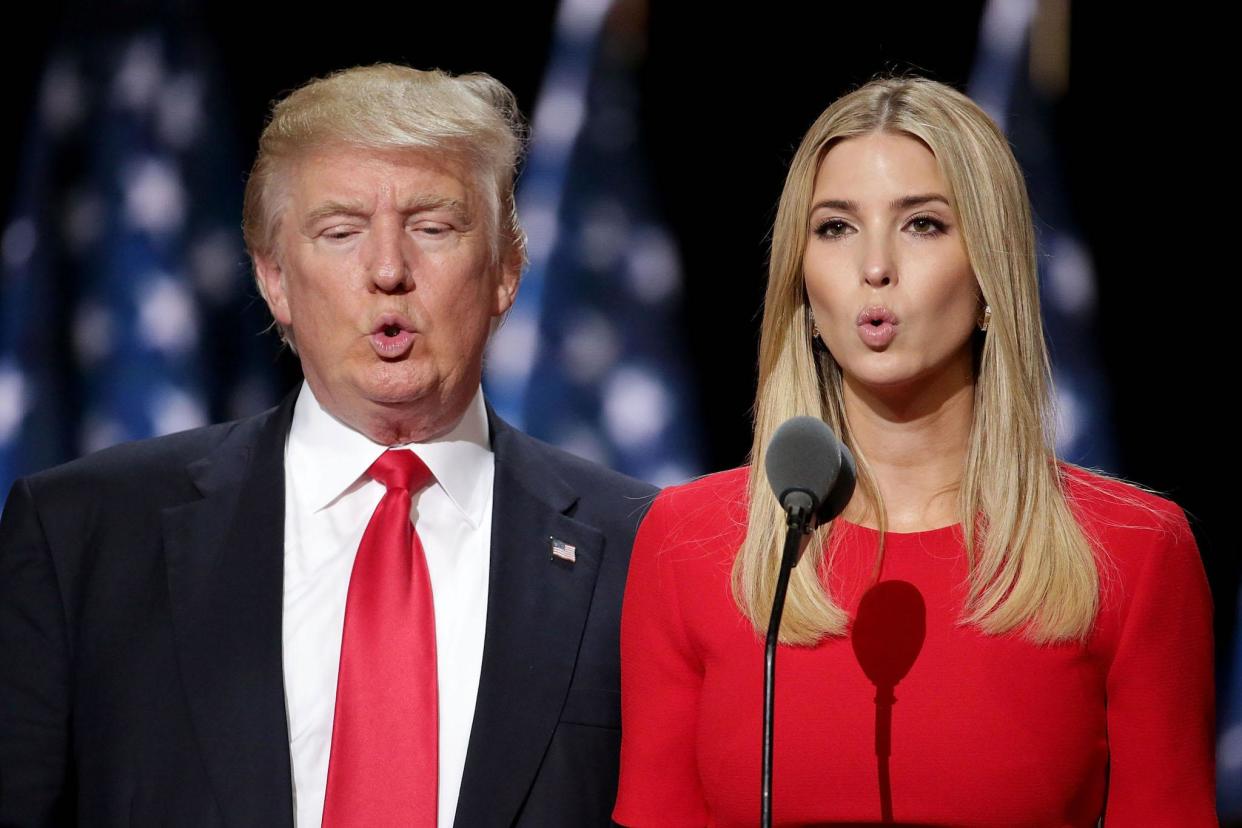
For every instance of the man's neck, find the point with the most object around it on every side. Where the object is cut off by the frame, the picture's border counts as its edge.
(397, 424)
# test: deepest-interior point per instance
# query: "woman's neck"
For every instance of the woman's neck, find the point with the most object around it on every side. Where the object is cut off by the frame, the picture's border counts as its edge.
(915, 442)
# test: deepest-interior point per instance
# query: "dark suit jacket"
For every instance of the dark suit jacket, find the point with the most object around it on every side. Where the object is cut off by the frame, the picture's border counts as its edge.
(140, 637)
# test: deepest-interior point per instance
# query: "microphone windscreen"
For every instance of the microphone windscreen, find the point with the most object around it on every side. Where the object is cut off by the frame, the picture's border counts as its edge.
(804, 455)
(842, 490)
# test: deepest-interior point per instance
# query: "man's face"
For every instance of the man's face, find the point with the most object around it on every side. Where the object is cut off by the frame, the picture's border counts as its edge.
(382, 273)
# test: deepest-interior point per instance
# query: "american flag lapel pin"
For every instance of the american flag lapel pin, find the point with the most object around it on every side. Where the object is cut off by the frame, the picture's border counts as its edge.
(565, 551)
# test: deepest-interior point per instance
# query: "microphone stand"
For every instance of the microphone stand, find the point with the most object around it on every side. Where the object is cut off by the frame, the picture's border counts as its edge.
(797, 524)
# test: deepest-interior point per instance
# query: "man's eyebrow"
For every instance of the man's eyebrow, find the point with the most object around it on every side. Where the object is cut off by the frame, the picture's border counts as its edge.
(428, 203)
(417, 204)
(334, 208)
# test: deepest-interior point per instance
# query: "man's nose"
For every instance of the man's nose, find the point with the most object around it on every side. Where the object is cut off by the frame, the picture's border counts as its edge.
(392, 253)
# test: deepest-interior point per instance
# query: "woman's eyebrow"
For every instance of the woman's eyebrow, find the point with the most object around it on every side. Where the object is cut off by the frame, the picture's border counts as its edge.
(836, 204)
(903, 203)
(906, 202)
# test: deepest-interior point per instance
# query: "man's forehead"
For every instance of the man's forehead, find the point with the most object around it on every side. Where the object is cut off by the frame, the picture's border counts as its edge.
(348, 173)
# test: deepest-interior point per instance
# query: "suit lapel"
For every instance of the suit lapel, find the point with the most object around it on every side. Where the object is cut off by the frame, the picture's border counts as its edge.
(225, 556)
(536, 609)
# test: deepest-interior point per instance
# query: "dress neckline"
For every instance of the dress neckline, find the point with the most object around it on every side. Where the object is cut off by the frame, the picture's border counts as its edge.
(951, 529)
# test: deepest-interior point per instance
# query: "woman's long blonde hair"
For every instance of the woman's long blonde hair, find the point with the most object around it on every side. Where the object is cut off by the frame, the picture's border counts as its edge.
(1031, 567)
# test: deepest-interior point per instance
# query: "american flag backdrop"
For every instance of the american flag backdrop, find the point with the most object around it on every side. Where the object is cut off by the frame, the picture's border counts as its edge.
(1015, 84)
(1229, 749)
(590, 357)
(1019, 71)
(126, 309)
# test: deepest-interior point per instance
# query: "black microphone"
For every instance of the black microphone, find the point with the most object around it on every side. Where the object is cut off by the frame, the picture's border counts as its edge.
(842, 490)
(812, 474)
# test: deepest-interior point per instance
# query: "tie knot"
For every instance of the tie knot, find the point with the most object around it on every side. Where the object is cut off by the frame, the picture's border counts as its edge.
(401, 469)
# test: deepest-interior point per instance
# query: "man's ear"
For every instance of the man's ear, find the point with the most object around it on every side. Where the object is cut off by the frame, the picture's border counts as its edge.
(509, 276)
(271, 280)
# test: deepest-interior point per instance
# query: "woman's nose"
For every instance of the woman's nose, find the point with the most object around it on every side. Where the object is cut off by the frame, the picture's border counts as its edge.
(879, 269)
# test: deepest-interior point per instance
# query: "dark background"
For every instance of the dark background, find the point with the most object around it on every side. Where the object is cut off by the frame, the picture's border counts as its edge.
(726, 97)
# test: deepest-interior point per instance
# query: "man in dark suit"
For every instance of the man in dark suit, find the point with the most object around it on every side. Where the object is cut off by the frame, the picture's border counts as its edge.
(192, 631)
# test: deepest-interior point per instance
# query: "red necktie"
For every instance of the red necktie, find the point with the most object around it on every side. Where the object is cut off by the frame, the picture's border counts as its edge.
(384, 765)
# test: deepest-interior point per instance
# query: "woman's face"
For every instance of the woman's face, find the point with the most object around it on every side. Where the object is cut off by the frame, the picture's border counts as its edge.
(886, 269)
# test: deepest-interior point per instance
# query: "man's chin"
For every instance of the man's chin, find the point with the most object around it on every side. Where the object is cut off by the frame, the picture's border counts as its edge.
(388, 398)
(397, 397)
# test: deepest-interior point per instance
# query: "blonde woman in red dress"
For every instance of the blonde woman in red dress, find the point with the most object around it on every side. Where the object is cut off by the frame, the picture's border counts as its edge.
(987, 636)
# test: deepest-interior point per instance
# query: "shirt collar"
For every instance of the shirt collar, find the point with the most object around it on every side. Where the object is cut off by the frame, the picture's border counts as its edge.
(330, 458)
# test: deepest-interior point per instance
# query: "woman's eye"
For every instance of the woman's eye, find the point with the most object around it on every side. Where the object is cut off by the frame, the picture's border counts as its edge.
(926, 226)
(832, 228)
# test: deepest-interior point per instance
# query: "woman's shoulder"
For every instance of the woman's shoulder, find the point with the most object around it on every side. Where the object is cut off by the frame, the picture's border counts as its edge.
(1155, 603)
(1139, 536)
(707, 510)
(722, 487)
(1107, 504)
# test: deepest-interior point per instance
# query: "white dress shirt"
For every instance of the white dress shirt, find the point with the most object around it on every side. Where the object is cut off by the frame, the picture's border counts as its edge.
(328, 503)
